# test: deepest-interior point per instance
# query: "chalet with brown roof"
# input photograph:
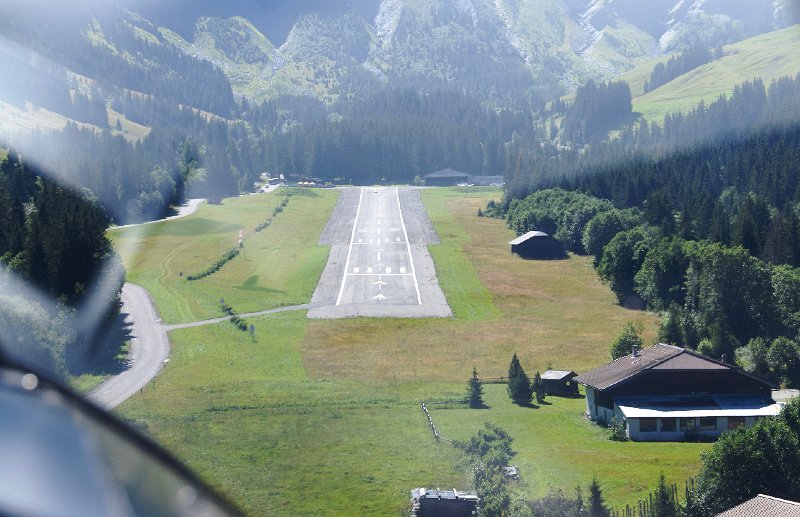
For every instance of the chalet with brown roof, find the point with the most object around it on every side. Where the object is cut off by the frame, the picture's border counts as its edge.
(668, 393)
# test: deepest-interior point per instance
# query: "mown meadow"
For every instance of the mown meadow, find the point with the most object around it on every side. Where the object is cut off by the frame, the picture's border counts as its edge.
(322, 417)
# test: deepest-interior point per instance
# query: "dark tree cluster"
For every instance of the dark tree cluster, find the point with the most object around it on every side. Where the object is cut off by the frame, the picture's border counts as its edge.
(597, 109)
(393, 135)
(53, 239)
(752, 112)
(716, 298)
(696, 55)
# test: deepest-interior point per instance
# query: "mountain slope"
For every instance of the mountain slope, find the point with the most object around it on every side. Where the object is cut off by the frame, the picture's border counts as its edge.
(767, 56)
(496, 49)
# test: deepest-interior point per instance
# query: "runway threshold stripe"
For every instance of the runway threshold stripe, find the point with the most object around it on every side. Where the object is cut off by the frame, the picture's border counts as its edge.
(408, 246)
(350, 248)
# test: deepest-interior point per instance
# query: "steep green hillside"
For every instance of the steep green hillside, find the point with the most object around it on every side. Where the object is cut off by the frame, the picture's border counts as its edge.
(767, 56)
(496, 49)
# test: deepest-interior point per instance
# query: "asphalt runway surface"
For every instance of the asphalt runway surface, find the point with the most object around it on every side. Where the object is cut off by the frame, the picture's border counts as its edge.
(379, 265)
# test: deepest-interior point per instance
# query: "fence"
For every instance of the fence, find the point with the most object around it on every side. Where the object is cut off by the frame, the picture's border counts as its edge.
(432, 425)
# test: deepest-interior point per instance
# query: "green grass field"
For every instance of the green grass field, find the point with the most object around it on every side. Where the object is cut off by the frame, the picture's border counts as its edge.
(767, 56)
(322, 417)
(278, 266)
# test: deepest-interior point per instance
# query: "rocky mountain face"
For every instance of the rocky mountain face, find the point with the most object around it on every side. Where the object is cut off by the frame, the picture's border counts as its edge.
(497, 49)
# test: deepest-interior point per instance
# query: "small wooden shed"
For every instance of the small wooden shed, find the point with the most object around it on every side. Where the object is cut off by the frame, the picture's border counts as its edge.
(537, 245)
(560, 382)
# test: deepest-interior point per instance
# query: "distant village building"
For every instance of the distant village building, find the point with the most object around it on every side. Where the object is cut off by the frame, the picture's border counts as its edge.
(427, 502)
(667, 393)
(446, 178)
(560, 382)
(537, 245)
(762, 505)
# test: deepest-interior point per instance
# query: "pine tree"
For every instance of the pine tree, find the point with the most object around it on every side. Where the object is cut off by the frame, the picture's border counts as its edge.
(519, 384)
(597, 507)
(475, 391)
(538, 388)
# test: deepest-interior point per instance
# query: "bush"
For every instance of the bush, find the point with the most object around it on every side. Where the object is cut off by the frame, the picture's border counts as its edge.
(216, 266)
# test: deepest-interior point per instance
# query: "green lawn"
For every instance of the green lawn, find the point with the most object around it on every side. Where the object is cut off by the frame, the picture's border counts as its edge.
(278, 266)
(558, 447)
(314, 414)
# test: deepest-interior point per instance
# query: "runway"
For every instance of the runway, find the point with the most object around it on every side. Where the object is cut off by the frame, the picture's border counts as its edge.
(379, 264)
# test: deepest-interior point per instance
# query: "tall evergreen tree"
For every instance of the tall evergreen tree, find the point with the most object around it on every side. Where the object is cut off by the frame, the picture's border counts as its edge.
(475, 391)
(597, 506)
(538, 388)
(519, 384)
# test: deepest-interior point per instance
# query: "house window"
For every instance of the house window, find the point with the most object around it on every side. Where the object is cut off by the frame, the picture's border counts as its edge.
(735, 421)
(667, 424)
(688, 424)
(648, 425)
(708, 423)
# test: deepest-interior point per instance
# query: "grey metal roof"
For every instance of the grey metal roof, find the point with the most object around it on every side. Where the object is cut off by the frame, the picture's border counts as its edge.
(557, 374)
(529, 235)
(446, 173)
(625, 367)
(762, 505)
(656, 357)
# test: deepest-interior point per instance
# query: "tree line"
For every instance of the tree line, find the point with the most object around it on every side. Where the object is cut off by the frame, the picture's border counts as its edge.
(718, 299)
(53, 239)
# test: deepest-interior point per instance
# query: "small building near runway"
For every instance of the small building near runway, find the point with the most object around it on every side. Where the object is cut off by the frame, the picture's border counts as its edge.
(538, 245)
(560, 382)
(446, 178)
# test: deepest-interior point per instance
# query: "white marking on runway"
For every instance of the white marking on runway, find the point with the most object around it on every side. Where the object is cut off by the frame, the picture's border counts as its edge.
(388, 271)
(408, 246)
(402, 270)
(350, 249)
(355, 270)
(369, 270)
(380, 274)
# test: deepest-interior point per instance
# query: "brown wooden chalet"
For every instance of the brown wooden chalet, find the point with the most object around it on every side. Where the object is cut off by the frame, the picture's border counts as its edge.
(666, 393)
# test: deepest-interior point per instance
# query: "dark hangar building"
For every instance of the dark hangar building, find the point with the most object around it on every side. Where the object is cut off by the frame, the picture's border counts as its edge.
(446, 178)
(538, 245)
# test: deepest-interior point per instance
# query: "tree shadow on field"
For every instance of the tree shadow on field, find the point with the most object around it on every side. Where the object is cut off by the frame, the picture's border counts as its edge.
(102, 351)
(251, 284)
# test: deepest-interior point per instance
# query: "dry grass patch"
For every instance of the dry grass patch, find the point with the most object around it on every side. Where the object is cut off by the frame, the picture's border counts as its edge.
(553, 313)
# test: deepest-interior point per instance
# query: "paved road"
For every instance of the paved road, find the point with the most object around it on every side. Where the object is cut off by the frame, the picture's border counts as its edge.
(379, 263)
(188, 208)
(214, 321)
(149, 350)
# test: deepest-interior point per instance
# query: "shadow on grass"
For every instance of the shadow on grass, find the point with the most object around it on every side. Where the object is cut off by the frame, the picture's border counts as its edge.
(251, 284)
(195, 226)
(104, 350)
